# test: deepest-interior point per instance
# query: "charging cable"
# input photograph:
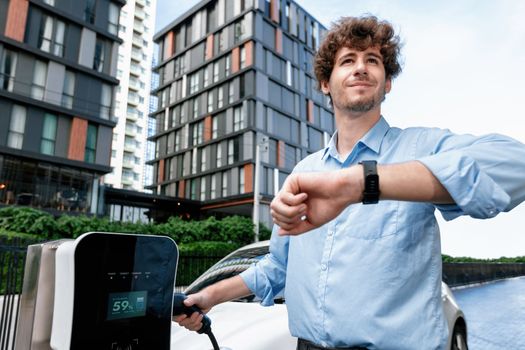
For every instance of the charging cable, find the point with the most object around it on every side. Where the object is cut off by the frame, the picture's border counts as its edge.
(180, 308)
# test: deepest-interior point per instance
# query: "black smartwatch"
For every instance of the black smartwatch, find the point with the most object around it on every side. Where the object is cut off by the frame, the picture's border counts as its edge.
(371, 192)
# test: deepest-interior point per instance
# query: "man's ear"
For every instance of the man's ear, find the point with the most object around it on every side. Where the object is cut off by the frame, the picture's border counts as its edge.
(388, 85)
(325, 88)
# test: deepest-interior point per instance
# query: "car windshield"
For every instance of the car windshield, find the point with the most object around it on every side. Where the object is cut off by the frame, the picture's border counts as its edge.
(232, 265)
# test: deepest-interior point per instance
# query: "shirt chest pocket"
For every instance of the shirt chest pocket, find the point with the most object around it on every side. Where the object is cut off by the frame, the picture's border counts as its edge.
(371, 221)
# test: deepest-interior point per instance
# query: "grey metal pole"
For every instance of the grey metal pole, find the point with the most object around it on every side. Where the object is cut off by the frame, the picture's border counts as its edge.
(256, 193)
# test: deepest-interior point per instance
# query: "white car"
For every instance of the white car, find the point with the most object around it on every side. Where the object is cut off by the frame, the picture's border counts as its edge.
(246, 325)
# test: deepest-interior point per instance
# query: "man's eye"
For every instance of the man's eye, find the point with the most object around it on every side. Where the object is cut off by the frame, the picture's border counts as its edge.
(373, 60)
(347, 61)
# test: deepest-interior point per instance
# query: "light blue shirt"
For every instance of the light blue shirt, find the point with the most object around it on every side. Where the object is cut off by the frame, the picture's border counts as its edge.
(372, 276)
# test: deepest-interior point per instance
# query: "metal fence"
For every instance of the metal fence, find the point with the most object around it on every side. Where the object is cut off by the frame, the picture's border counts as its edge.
(12, 260)
(12, 263)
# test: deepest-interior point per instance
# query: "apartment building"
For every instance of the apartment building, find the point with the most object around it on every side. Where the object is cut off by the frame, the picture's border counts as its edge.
(234, 74)
(58, 68)
(137, 23)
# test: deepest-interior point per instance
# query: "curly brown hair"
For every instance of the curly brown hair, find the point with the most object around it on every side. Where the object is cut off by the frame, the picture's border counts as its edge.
(358, 33)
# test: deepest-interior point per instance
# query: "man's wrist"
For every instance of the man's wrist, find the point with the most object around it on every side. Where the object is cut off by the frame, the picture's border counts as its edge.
(353, 184)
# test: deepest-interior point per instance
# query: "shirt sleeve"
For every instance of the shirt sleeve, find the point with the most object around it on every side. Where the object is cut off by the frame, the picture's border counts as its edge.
(484, 175)
(266, 278)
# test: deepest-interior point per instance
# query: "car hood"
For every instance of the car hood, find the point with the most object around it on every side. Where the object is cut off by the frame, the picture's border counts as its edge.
(240, 326)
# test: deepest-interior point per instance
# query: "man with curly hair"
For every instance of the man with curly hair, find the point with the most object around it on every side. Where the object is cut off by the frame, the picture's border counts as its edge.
(356, 242)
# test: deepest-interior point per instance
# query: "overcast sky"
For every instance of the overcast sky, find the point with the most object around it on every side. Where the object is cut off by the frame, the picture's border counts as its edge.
(464, 69)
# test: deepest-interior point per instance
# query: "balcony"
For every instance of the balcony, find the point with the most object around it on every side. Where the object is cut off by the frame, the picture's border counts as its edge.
(128, 164)
(134, 84)
(136, 55)
(137, 41)
(138, 27)
(132, 116)
(127, 181)
(130, 131)
(139, 13)
(128, 147)
(133, 99)
(135, 70)
(140, 3)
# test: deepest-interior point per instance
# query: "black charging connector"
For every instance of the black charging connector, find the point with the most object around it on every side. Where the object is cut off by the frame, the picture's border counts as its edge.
(180, 308)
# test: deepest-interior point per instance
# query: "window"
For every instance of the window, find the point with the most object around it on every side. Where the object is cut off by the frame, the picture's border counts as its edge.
(243, 57)
(222, 45)
(241, 180)
(225, 184)
(230, 92)
(89, 11)
(194, 161)
(219, 156)
(220, 97)
(15, 138)
(228, 63)
(98, 60)
(288, 73)
(193, 189)
(177, 141)
(49, 133)
(203, 189)
(69, 89)
(230, 152)
(210, 101)
(239, 31)
(203, 159)
(206, 77)
(51, 37)
(91, 144)
(238, 118)
(7, 70)
(113, 19)
(195, 107)
(213, 191)
(105, 102)
(214, 127)
(194, 83)
(39, 80)
(215, 72)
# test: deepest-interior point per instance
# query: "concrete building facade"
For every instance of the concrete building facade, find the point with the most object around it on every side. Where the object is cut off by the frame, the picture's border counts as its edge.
(137, 23)
(234, 74)
(58, 68)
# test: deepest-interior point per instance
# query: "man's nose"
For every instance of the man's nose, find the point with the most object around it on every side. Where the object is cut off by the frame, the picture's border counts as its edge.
(360, 67)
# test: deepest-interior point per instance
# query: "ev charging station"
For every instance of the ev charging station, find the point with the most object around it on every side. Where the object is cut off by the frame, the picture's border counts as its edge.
(100, 291)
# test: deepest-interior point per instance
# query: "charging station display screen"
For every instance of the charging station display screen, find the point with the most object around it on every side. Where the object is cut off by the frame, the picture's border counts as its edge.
(127, 305)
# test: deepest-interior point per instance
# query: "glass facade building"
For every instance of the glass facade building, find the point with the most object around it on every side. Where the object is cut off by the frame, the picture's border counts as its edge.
(234, 74)
(57, 75)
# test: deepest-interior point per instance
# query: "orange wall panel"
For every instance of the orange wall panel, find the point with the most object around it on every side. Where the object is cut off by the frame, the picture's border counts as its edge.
(160, 175)
(280, 154)
(248, 178)
(16, 19)
(207, 128)
(168, 50)
(248, 47)
(236, 59)
(310, 111)
(77, 139)
(279, 40)
(209, 47)
(274, 10)
(182, 188)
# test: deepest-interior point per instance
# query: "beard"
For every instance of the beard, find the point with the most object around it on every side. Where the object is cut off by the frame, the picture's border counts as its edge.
(362, 104)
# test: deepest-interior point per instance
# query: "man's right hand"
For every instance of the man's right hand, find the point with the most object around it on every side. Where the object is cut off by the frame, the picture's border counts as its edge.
(203, 301)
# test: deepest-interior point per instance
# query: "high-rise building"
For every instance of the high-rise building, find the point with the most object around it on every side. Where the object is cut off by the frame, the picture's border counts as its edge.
(234, 74)
(58, 68)
(128, 153)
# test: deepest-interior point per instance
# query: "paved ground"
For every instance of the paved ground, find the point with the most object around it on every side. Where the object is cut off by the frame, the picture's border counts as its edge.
(495, 314)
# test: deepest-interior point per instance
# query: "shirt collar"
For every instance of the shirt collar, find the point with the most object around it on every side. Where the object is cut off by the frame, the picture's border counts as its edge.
(372, 139)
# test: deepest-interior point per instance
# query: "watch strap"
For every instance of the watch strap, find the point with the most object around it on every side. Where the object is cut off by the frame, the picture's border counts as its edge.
(371, 191)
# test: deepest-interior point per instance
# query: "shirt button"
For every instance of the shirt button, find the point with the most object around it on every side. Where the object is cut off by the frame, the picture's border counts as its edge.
(330, 233)
(323, 267)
